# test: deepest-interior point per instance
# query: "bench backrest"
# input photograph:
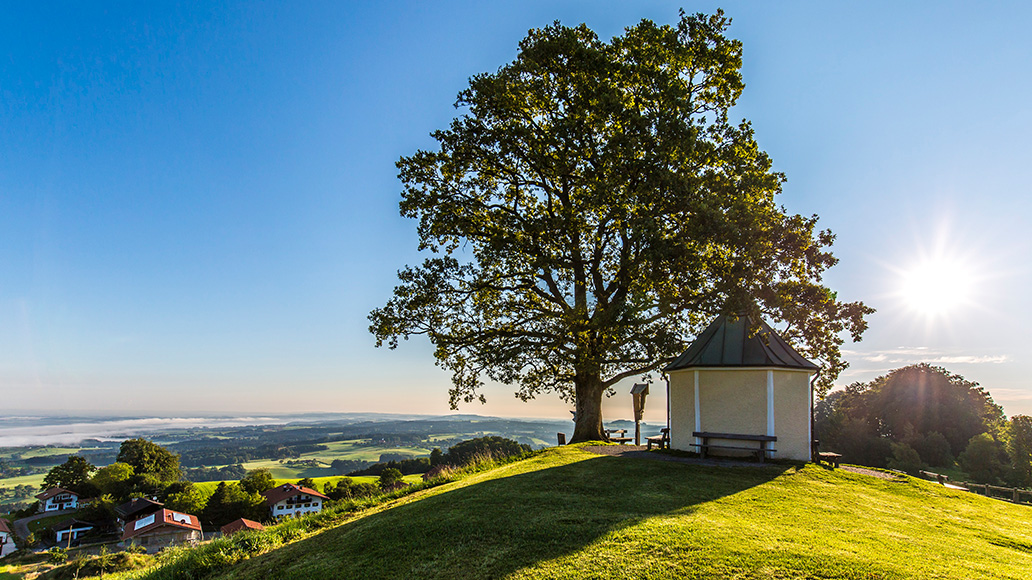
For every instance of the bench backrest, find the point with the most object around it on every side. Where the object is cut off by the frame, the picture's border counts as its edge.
(733, 436)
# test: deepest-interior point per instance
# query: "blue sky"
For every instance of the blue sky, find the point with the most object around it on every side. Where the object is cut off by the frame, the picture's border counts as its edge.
(198, 203)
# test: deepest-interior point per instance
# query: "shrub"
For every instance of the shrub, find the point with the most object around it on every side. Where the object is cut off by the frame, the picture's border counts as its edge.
(905, 458)
(984, 459)
(934, 449)
(389, 478)
(57, 555)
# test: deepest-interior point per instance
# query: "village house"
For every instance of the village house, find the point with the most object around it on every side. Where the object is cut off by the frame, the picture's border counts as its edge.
(136, 508)
(741, 390)
(239, 526)
(68, 532)
(292, 500)
(56, 499)
(163, 528)
(6, 539)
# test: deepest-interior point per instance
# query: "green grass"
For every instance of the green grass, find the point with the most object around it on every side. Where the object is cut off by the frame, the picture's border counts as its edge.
(347, 450)
(33, 480)
(37, 525)
(569, 514)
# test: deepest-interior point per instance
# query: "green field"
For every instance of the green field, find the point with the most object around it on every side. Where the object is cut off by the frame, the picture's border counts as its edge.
(347, 450)
(208, 487)
(570, 514)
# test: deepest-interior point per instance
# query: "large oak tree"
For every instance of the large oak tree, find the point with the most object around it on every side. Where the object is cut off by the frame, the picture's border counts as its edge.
(592, 208)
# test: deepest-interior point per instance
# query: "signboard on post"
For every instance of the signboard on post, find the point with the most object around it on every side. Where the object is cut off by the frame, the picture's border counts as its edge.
(638, 394)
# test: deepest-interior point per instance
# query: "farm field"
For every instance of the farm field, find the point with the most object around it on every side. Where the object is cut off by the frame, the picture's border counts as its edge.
(208, 487)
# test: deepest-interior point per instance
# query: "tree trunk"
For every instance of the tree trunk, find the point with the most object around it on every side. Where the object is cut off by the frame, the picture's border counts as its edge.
(588, 426)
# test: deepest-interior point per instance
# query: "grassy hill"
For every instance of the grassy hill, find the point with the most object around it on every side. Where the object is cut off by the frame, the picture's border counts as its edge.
(569, 514)
(565, 513)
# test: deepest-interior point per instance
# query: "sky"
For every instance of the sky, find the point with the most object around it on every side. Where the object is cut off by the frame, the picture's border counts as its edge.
(198, 201)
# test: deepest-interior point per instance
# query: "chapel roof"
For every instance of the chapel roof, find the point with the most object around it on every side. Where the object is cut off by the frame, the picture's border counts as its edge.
(728, 342)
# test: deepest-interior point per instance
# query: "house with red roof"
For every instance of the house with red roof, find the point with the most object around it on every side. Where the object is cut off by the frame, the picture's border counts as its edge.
(163, 528)
(293, 500)
(56, 499)
(6, 539)
(239, 526)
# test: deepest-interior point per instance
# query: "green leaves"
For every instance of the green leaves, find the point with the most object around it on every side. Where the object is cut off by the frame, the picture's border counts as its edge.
(593, 207)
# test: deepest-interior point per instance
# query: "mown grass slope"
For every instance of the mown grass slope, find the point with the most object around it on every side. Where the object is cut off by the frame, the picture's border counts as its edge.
(569, 514)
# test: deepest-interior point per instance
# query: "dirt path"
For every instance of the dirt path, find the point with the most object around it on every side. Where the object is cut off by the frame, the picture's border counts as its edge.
(639, 452)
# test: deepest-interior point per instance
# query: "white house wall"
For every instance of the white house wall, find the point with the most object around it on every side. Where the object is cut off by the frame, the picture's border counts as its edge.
(6, 544)
(283, 509)
(735, 400)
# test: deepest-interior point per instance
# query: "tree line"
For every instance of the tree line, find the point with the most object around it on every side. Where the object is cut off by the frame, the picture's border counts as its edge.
(146, 469)
(923, 416)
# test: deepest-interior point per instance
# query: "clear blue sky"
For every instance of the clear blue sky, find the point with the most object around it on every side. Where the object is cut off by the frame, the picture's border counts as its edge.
(198, 203)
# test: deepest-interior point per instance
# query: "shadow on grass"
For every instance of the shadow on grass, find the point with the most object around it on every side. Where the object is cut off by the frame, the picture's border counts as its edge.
(498, 527)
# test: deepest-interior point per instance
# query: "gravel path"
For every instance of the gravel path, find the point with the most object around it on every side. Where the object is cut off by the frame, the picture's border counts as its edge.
(639, 452)
(871, 472)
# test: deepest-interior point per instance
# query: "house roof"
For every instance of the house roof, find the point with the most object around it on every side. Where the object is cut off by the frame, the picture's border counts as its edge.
(44, 496)
(731, 343)
(240, 525)
(160, 519)
(72, 523)
(4, 527)
(282, 492)
(137, 506)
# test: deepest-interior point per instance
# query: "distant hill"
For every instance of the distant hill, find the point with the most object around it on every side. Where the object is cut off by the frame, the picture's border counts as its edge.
(569, 514)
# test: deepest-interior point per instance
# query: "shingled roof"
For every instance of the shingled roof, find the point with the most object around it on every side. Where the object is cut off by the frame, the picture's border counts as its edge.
(727, 343)
(282, 492)
(44, 496)
(163, 518)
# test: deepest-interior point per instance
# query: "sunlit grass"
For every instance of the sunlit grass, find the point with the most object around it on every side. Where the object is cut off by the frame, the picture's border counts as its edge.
(567, 514)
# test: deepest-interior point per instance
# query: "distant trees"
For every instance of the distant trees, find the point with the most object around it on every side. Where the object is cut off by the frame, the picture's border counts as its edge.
(927, 408)
(114, 479)
(150, 460)
(257, 480)
(923, 415)
(1019, 448)
(184, 496)
(389, 478)
(346, 488)
(405, 466)
(344, 466)
(73, 475)
(491, 447)
(984, 459)
(307, 482)
(226, 472)
(229, 502)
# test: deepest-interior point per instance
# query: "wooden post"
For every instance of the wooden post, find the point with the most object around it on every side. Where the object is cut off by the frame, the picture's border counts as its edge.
(1017, 498)
(638, 394)
(562, 438)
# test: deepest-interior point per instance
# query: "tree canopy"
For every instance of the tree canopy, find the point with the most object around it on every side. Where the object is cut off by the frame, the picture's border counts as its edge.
(73, 475)
(149, 458)
(258, 480)
(592, 209)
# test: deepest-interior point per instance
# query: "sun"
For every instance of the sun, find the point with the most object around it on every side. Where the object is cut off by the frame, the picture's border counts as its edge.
(936, 286)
